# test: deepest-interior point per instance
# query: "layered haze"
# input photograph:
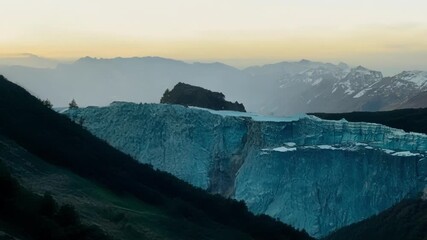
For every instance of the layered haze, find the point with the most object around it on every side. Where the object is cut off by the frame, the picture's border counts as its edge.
(283, 88)
(386, 35)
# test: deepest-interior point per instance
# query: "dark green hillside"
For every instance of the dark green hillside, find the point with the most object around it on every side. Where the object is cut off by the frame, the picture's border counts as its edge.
(58, 141)
(119, 216)
(410, 120)
(41, 218)
(405, 221)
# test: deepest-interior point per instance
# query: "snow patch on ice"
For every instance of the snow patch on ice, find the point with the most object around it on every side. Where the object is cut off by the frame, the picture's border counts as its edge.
(254, 116)
(406, 154)
(329, 147)
(280, 149)
(361, 144)
(284, 149)
(388, 151)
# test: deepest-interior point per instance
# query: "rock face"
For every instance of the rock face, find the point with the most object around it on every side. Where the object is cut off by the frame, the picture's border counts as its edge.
(188, 95)
(320, 87)
(313, 174)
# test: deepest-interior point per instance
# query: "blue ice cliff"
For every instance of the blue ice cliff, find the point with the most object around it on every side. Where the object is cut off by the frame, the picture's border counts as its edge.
(313, 174)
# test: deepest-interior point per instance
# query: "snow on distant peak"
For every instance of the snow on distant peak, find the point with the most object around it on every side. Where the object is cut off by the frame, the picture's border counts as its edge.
(364, 71)
(417, 77)
(317, 81)
(361, 69)
(358, 81)
(361, 93)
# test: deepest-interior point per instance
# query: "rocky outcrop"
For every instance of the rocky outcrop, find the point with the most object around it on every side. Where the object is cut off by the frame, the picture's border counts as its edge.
(188, 95)
(314, 174)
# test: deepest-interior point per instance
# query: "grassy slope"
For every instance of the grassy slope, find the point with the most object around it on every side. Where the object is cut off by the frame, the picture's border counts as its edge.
(58, 141)
(26, 215)
(410, 120)
(122, 217)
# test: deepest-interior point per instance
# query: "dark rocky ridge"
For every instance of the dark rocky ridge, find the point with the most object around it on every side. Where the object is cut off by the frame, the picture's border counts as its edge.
(188, 95)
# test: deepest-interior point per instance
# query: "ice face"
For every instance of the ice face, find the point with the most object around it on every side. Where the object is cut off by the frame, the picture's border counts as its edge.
(311, 173)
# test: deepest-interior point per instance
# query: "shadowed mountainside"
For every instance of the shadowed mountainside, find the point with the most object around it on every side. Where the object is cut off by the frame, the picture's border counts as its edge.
(404, 221)
(30, 215)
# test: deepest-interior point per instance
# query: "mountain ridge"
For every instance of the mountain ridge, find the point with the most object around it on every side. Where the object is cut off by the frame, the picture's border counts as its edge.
(281, 89)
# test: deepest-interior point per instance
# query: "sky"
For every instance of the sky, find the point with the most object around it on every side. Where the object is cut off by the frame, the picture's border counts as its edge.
(390, 35)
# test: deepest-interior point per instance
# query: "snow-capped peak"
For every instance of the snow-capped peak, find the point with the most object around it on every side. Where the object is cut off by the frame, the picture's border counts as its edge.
(358, 81)
(417, 77)
(362, 71)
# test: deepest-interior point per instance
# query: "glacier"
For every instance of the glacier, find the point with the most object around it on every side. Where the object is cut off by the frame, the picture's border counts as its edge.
(314, 174)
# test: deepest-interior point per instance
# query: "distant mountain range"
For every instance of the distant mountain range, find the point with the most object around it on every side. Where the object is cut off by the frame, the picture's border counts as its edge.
(280, 89)
(28, 60)
(318, 87)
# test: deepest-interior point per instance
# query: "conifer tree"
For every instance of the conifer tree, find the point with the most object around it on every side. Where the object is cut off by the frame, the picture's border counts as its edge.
(73, 104)
(47, 103)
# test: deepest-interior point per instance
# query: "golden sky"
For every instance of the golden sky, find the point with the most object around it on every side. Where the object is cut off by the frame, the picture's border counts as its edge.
(227, 30)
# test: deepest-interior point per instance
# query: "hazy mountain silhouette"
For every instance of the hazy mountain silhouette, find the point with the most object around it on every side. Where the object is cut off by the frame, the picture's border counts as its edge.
(279, 89)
